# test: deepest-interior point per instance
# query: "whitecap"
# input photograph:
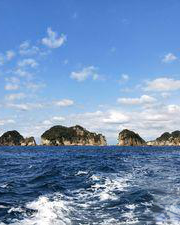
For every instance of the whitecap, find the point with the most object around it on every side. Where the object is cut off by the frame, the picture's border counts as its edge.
(49, 212)
(80, 173)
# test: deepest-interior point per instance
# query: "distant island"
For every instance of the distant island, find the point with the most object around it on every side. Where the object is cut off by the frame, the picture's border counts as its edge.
(77, 135)
(130, 138)
(12, 138)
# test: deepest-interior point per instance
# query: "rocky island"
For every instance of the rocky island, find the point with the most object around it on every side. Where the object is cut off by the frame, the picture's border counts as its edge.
(167, 139)
(130, 138)
(76, 135)
(12, 138)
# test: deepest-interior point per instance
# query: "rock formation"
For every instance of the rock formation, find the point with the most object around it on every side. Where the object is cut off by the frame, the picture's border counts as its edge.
(76, 135)
(167, 139)
(130, 138)
(28, 142)
(12, 138)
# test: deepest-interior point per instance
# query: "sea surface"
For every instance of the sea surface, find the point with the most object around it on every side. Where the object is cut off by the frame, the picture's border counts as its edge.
(89, 185)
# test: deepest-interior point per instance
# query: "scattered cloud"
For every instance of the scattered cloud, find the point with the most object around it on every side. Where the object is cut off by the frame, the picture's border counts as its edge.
(23, 73)
(12, 83)
(163, 84)
(85, 73)
(6, 121)
(170, 57)
(16, 96)
(26, 49)
(124, 78)
(165, 94)
(53, 120)
(115, 117)
(34, 86)
(144, 99)
(58, 118)
(10, 87)
(47, 122)
(53, 41)
(28, 62)
(25, 106)
(10, 54)
(64, 103)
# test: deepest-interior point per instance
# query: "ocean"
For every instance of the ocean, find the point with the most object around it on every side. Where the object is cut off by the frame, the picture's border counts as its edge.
(89, 185)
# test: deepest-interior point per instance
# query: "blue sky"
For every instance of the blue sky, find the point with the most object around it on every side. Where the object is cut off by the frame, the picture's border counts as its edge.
(106, 65)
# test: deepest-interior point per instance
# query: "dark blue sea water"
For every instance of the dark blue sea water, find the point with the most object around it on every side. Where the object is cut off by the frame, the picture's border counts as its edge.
(89, 185)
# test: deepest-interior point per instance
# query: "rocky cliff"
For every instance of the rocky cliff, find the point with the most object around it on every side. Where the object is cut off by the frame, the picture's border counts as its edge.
(12, 138)
(130, 138)
(77, 135)
(28, 142)
(167, 139)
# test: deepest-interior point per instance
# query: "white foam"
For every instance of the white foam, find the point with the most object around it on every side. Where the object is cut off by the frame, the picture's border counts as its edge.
(106, 190)
(5, 185)
(62, 210)
(80, 173)
(49, 212)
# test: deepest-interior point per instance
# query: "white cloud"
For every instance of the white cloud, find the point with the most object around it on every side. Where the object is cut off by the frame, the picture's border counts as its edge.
(23, 73)
(26, 49)
(144, 99)
(47, 122)
(53, 120)
(53, 41)
(24, 45)
(165, 94)
(64, 103)
(115, 117)
(170, 57)
(35, 86)
(163, 85)
(173, 108)
(10, 54)
(58, 118)
(125, 77)
(25, 106)
(85, 73)
(28, 62)
(16, 96)
(10, 87)
(3, 122)
(12, 84)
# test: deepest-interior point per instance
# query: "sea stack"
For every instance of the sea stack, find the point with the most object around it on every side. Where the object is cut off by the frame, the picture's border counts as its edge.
(76, 135)
(11, 138)
(167, 139)
(28, 142)
(14, 138)
(130, 138)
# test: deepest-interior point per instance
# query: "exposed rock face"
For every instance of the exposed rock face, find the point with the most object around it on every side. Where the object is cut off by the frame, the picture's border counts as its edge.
(167, 139)
(28, 142)
(11, 138)
(130, 138)
(77, 135)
